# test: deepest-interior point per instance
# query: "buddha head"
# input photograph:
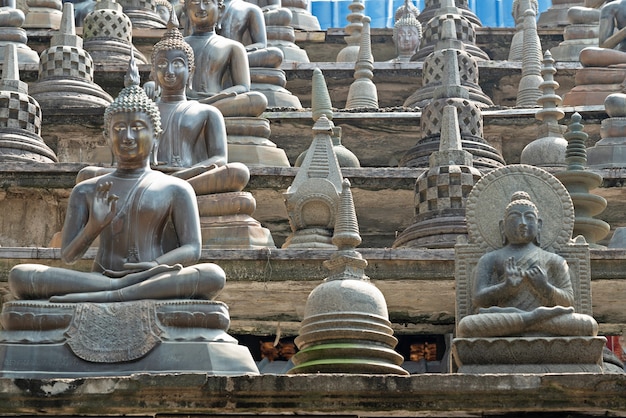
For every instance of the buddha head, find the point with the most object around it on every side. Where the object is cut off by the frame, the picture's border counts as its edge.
(164, 9)
(132, 123)
(173, 61)
(407, 34)
(203, 15)
(521, 223)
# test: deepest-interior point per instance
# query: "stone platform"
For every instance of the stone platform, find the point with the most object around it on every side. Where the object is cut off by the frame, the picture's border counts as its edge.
(354, 396)
(266, 290)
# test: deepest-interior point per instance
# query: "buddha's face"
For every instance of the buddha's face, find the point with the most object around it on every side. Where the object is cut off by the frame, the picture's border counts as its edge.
(202, 13)
(131, 136)
(521, 224)
(172, 69)
(163, 12)
(407, 39)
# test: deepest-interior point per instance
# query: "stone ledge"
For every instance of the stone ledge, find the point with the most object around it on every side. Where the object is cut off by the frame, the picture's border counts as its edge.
(449, 395)
(418, 285)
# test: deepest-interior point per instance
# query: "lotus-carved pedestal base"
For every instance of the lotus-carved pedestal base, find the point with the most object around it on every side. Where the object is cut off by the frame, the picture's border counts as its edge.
(53, 340)
(528, 355)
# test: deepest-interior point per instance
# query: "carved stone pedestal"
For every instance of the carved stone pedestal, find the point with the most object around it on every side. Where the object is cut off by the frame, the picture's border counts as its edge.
(271, 82)
(49, 340)
(226, 222)
(528, 355)
(249, 143)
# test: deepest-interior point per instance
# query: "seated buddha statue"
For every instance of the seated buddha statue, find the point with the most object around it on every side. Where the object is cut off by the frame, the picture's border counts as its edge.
(194, 147)
(222, 79)
(147, 223)
(147, 304)
(256, 24)
(244, 22)
(222, 76)
(604, 67)
(522, 289)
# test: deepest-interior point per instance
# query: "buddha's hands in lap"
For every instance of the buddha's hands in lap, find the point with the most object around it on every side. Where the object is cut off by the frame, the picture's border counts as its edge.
(216, 97)
(102, 210)
(194, 171)
(513, 274)
(138, 272)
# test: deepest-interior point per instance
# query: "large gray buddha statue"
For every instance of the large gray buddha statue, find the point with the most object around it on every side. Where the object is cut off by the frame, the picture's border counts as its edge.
(139, 255)
(523, 285)
(146, 283)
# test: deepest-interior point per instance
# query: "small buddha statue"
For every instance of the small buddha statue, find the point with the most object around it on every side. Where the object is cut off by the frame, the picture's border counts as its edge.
(244, 21)
(193, 145)
(522, 289)
(407, 34)
(222, 77)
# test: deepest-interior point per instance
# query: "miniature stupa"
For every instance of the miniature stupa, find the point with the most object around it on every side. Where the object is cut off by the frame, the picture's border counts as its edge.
(13, 33)
(549, 149)
(66, 71)
(465, 31)
(43, 14)
(579, 181)
(528, 90)
(516, 50)
(20, 118)
(350, 53)
(362, 93)
(108, 34)
(346, 326)
(313, 197)
(441, 192)
(321, 105)
(431, 9)
(434, 68)
(143, 14)
(451, 92)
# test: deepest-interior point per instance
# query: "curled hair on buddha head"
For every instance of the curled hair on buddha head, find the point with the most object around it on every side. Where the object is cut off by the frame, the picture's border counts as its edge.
(406, 15)
(166, 4)
(173, 40)
(407, 20)
(132, 98)
(520, 198)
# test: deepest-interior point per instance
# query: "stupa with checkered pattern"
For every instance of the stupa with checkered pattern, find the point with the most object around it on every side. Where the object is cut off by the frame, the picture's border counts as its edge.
(441, 192)
(464, 28)
(450, 90)
(66, 72)
(20, 117)
(108, 34)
